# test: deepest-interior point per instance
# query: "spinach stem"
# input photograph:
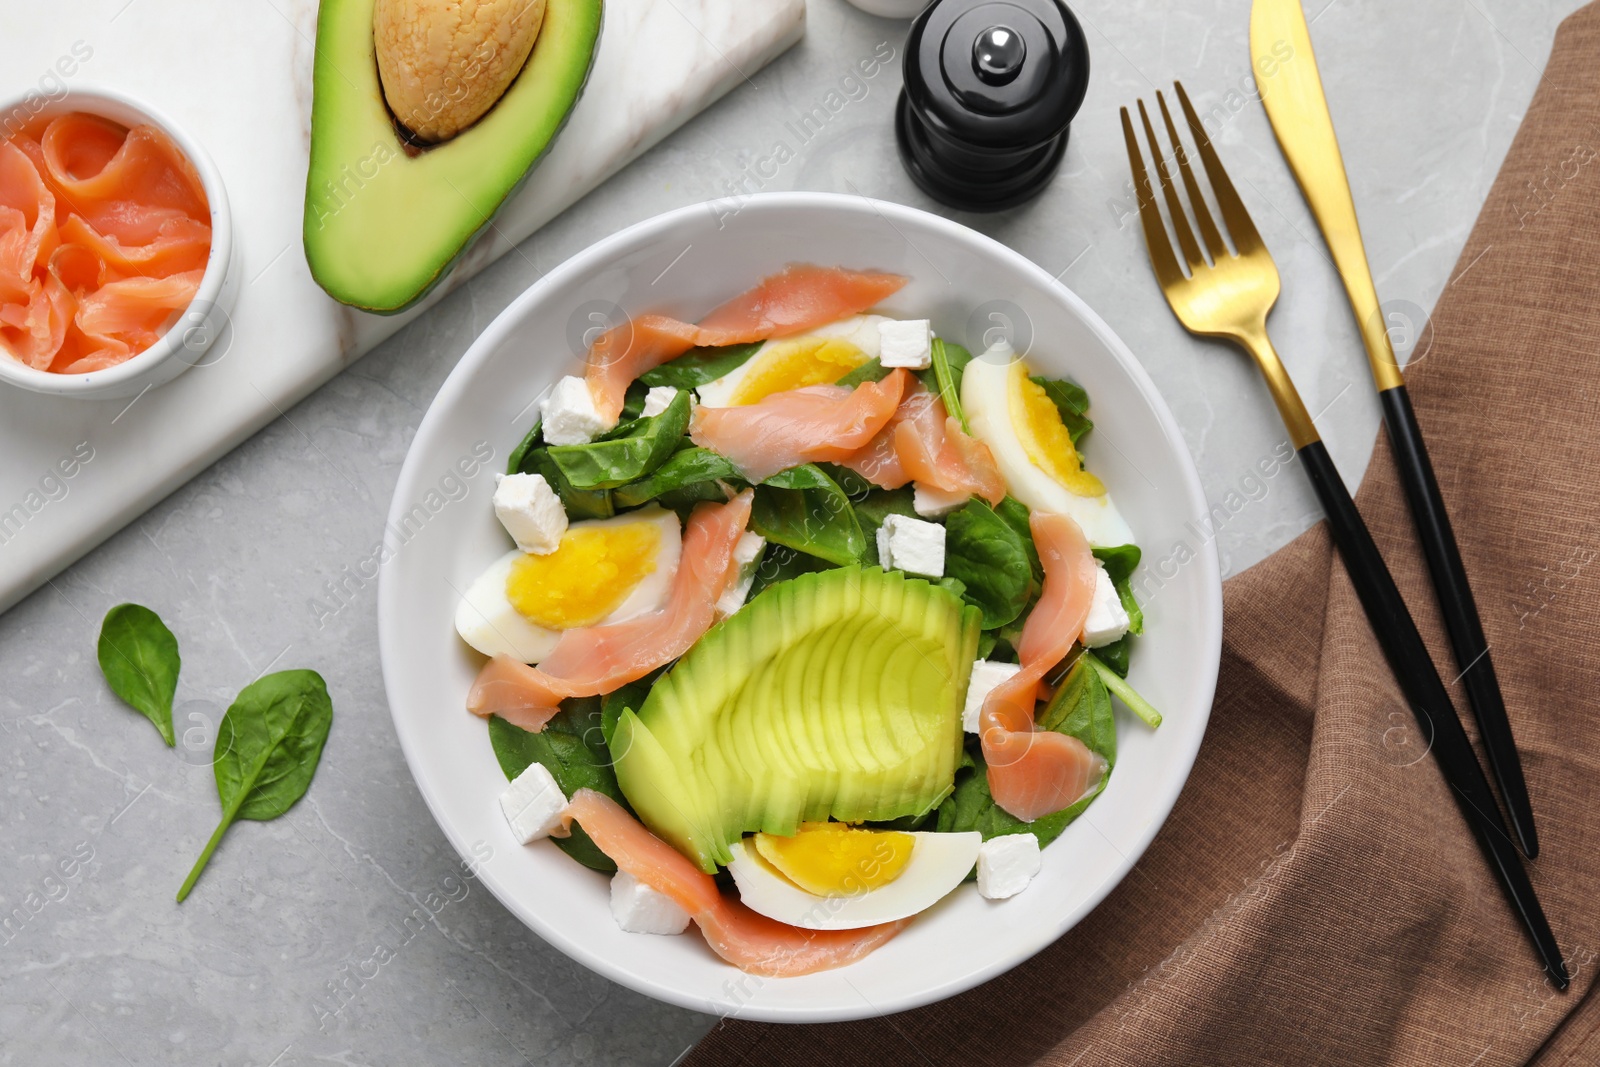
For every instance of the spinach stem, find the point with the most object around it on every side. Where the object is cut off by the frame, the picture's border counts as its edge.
(1127, 693)
(211, 846)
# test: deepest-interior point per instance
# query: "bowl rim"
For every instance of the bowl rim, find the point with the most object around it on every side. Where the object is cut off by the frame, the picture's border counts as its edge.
(606, 251)
(94, 99)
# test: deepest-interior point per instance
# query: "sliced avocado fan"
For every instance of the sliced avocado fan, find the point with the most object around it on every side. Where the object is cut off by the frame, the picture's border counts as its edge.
(837, 695)
(385, 221)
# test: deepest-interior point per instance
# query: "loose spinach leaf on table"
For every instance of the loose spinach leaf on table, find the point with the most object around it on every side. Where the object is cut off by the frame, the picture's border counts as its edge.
(805, 509)
(985, 553)
(699, 366)
(944, 377)
(572, 748)
(1120, 563)
(1072, 402)
(267, 749)
(685, 468)
(1082, 709)
(139, 657)
(638, 449)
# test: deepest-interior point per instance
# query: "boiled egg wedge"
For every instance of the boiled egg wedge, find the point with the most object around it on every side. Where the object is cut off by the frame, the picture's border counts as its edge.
(1019, 422)
(818, 357)
(829, 876)
(603, 571)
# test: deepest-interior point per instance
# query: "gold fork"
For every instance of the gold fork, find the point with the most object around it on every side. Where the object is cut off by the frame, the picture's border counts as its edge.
(1228, 294)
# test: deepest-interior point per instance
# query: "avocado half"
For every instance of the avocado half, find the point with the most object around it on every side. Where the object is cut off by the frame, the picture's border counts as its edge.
(385, 221)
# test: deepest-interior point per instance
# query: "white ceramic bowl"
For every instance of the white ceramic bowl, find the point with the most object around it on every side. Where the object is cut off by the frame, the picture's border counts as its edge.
(442, 532)
(185, 344)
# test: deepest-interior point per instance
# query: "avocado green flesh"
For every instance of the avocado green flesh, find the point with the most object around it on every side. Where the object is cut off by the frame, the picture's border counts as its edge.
(837, 695)
(383, 227)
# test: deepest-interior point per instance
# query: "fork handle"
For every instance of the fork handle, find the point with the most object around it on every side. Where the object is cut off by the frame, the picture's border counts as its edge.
(1460, 611)
(1424, 691)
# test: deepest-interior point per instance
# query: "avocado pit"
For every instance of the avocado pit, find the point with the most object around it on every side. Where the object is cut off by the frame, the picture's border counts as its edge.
(443, 64)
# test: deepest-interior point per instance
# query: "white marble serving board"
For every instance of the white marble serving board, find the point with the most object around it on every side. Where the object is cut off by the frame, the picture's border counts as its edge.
(238, 77)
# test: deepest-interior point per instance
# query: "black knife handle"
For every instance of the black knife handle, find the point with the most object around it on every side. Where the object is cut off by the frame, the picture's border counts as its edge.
(1424, 691)
(1460, 611)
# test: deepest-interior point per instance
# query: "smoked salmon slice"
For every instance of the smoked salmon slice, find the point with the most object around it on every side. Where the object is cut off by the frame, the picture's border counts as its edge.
(592, 660)
(923, 443)
(751, 942)
(801, 297)
(104, 236)
(783, 430)
(1032, 772)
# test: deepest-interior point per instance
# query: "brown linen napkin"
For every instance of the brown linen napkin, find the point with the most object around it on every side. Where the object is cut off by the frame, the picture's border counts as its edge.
(1315, 897)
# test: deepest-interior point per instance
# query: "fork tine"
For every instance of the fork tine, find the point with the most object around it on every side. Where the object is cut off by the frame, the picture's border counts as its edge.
(1202, 214)
(1155, 232)
(1234, 214)
(1180, 222)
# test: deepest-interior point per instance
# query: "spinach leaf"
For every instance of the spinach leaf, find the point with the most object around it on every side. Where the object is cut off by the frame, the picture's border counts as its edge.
(632, 407)
(1015, 512)
(643, 446)
(1125, 692)
(878, 505)
(684, 468)
(572, 748)
(579, 503)
(779, 563)
(983, 551)
(519, 455)
(614, 703)
(699, 366)
(1082, 709)
(871, 371)
(268, 745)
(944, 377)
(805, 509)
(1120, 563)
(139, 657)
(855, 485)
(1072, 402)
(1117, 654)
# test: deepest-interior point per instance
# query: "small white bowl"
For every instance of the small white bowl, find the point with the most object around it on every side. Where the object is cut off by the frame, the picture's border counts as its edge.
(183, 345)
(442, 532)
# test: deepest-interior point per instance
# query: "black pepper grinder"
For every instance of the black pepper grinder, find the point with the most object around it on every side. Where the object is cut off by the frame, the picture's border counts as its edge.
(990, 88)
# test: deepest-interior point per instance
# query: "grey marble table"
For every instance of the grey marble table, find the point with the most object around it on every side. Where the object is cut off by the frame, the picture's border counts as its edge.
(276, 957)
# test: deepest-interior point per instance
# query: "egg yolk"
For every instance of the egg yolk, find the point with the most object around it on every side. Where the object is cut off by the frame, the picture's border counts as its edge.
(1045, 437)
(795, 364)
(587, 577)
(830, 859)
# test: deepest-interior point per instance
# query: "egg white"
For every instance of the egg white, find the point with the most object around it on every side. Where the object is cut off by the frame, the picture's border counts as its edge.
(938, 864)
(859, 330)
(986, 398)
(486, 620)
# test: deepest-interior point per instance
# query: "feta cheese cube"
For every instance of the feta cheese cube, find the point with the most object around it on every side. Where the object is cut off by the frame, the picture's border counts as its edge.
(746, 556)
(1108, 619)
(569, 414)
(931, 502)
(639, 909)
(1007, 864)
(985, 676)
(911, 545)
(530, 511)
(905, 343)
(657, 399)
(533, 804)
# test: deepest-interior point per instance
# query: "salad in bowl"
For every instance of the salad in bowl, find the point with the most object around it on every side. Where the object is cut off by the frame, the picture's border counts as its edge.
(806, 617)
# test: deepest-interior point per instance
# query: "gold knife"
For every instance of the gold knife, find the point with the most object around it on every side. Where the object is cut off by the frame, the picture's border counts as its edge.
(1286, 74)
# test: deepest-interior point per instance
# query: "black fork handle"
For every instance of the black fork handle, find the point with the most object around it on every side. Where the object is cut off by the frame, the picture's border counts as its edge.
(1425, 693)
(1460, 611)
